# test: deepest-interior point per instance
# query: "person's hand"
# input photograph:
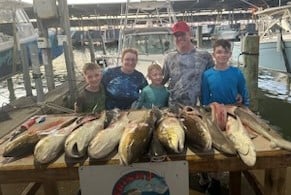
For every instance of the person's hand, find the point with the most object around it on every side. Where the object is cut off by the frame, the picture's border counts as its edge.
(239, 99)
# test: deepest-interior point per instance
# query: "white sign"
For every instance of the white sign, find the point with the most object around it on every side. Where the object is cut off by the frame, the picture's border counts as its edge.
(162, 178)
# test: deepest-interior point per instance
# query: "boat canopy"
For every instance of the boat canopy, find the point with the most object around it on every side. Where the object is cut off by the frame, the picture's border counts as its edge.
(155, 42)
(275, 20)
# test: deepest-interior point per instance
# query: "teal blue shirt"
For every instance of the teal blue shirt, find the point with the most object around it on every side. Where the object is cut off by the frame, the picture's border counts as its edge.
(153, 96)
(223, 86)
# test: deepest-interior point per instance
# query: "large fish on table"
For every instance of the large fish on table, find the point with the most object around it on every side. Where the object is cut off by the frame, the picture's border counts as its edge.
(135, 138)
(157, 152)
(170, 132)
(24, 143)
(196, 131)
(256, 124)
(49, 147)
(107, 140)
(237, 134)
(219, 140)
(77, 142)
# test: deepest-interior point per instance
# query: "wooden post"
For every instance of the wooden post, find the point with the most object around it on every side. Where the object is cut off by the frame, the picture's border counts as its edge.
(12, 96)
(47, 61)
(235, 182)
(199, 36)
(251, 59)
(65, 23)
(50, 187)
(25, 67)
(275, 181)
(36, 74)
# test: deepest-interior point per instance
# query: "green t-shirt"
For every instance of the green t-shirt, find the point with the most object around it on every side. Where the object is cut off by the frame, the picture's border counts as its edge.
(153, 96)
(88, 100)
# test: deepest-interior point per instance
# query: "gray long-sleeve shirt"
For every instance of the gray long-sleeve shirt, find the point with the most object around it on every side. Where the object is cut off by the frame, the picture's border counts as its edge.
(183, 72)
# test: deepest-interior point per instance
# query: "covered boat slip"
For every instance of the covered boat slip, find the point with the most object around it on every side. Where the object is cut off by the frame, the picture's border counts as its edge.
(273, 161)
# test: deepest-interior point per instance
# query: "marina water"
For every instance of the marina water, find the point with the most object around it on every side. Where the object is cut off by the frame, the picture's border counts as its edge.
(274, 90)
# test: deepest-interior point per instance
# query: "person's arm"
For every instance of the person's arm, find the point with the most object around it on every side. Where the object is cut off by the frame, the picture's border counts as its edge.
(78, 105)
(144, 82)
(205, 93)
(106, 76)
(166, 73)
(140, 102)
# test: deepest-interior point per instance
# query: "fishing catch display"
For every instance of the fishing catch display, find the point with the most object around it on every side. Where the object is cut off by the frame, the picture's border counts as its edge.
(143, 135)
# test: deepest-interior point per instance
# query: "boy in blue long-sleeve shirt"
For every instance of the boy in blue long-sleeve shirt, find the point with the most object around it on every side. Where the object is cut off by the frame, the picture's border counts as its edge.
(223, 83)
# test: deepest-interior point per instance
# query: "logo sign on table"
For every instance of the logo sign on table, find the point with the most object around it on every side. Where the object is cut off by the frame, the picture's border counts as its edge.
(163, 178)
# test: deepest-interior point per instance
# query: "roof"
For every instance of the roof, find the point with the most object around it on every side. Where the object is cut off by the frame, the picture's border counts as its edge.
(179, 6)
(153, 30)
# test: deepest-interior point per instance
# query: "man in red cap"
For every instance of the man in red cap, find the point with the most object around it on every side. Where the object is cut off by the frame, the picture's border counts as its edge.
(182, 33)
(183, 71)
(183, 68)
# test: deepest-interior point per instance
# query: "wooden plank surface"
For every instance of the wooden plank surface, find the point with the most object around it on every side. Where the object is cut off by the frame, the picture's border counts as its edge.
(26, 170)
(267, 157)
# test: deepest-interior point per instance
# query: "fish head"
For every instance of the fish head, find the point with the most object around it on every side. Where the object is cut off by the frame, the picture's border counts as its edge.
(219, 115)
(232, 123)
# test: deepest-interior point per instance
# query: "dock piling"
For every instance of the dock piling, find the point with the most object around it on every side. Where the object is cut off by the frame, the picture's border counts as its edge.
(25, 67)
(251, 69)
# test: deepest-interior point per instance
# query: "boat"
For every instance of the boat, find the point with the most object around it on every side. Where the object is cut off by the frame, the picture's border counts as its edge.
(110, 36)
(147, 27)
(274, 29)
(225, 31)
(12, 12)
(82, 37)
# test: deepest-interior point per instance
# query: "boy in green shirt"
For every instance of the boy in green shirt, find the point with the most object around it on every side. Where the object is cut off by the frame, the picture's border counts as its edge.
(92, 98)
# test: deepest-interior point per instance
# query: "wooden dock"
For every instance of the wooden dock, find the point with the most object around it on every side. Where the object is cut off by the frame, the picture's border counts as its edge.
(273, 162)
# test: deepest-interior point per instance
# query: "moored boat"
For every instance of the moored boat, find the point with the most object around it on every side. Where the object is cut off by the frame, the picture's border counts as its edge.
(147, 27)
(274, 29)
(17, 30)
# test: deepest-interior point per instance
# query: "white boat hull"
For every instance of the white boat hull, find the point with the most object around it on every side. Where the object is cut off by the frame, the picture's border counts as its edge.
(270, 54)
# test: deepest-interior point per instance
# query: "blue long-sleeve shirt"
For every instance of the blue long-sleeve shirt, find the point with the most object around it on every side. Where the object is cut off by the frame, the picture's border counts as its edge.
(223, 86)
(122, 89)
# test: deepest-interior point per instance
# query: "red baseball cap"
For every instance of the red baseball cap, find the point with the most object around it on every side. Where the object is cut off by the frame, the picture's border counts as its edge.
(180, 26)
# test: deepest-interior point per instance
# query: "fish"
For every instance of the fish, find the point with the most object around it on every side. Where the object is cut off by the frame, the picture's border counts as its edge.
(135, 138)
(237, 134)
(108, 139)
(139, 115)
(157, 152)
(24, 143)
(218, 114)
(219, 140)
(196, 131)
(77, 142)
(170, 131)
(250, 119)
(51, 146)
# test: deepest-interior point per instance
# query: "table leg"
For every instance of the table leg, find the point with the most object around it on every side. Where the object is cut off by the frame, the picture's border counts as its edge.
(275, 181)
(0, 189)
(50, 188)
(235, 182)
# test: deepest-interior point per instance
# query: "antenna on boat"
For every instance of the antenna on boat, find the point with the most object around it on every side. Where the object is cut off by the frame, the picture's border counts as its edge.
(250, 4)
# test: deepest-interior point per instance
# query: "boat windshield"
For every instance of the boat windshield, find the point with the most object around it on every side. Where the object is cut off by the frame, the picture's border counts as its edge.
(24, 27)
(149, 43)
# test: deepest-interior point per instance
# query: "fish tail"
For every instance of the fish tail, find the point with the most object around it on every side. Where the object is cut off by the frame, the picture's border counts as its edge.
(284, 144)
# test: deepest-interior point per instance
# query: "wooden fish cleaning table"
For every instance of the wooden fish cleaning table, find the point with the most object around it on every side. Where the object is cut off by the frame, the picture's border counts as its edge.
(273, 161)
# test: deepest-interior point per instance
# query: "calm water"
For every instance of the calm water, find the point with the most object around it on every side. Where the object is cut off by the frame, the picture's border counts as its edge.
(274, 92)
